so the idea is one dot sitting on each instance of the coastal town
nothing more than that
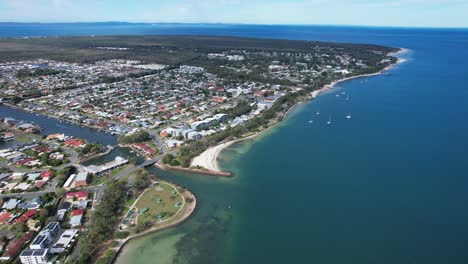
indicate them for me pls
(61, 194)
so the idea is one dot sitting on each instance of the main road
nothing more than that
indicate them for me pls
(98, 189)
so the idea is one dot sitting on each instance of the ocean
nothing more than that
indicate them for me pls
(388, 185)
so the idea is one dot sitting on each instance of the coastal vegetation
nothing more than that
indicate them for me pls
(103, 221)
(136, 137)
(158, 49)
(36, 73)
(91, 148)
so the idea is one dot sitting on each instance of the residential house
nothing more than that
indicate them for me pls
(11, 204)
(80, 195)
(35, 203)
(76, 217)
(14, 246)
(46, 175)
(6, 217)
(26, 216)
(62, 210)
(81, 179)
(64, 241)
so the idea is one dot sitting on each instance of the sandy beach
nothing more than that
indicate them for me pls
(209, 158)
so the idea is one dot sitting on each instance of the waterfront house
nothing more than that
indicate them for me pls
(74, 143)
(57, 136)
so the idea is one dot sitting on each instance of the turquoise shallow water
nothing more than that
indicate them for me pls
(387, 186)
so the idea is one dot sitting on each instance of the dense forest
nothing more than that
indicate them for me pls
(160, 49)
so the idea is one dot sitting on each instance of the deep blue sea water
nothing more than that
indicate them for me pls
(389, 185)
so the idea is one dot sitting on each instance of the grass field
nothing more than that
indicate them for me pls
(166, 207)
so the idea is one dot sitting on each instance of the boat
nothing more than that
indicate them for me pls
(329, 120)
(347, 97)
(348, 116)
(311, 121)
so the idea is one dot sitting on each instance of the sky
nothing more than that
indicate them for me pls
(407, 13)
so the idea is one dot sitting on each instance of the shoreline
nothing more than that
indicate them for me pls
(208, 159)
(192, 170)
(188, 212)
(210, 156)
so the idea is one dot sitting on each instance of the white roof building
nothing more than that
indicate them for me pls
(11, 204)
(64, 241)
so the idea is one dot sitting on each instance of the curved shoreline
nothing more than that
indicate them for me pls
(185, 216)
(209, 158)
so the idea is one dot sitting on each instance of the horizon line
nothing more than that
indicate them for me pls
(238, 23)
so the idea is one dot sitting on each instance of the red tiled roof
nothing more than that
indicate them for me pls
(39, 184)
(145, 148)
(260, 93)
(73, 142)
(46, 174)
(26, 216)
(24, 161)
(102, 123)
(4, 217)
(54, 135)
(77, 212)
(15, 245)
(79, 194)
(217, 99)
(41, 148)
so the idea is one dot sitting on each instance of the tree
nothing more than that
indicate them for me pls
(167, 158)
(139, 136)
(60, 192)
(122, 234)
(104, 220)
(19, 228)
(142, 226)
(133, 160)
(142, 182)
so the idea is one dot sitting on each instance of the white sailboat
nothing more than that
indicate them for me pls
(348, 116)
(329, 120)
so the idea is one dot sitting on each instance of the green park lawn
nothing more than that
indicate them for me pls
(166, 207)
